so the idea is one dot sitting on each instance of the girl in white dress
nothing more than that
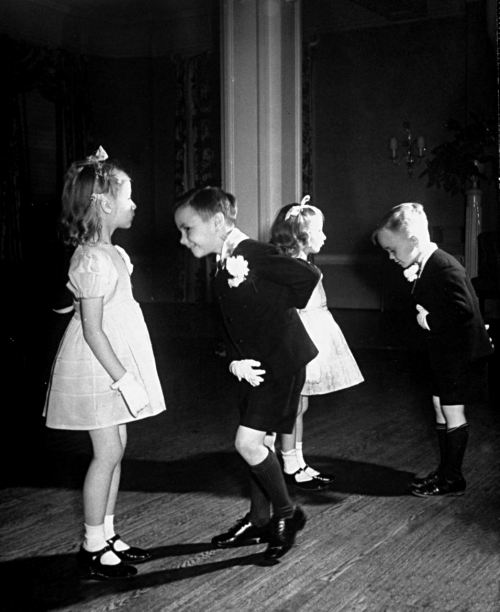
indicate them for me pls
(104, 374)
(298, 232)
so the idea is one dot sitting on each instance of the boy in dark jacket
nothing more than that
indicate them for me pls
(457, 340)
(258, 290)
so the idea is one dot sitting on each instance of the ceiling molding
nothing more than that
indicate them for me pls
(113, 28)
(396, 10)
(155, 28)
(321, 16)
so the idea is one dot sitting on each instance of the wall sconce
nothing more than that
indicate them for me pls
(412, 151)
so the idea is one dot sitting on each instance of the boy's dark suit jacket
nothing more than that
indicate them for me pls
(260, 317)
(457, 332)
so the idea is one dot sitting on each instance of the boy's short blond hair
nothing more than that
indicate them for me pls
(408, 217)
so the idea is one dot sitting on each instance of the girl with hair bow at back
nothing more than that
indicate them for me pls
(298, 231)
(104, 374)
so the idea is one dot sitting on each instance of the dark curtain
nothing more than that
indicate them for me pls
(12, 175)
(197, 147)
(308, 49)
(61, 78)
(33, 262)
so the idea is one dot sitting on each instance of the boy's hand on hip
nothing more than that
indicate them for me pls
(422, 317)
(244, 369)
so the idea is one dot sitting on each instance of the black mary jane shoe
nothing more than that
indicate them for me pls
(131, 554)
(441, 488)
(322, 477)
(314, 484)
(90, 562)
(282, 534)
(243, 533)
(430, 479)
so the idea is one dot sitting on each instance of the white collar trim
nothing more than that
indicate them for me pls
(232, 240)
(426, 254)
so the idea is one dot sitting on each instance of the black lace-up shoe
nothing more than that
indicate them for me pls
(442, 488)
(282, 534)
(431, 478)
(244, 533)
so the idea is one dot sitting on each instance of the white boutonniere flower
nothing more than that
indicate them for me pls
(411, 273)
(238, 269)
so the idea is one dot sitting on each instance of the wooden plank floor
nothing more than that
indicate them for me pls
(367, 546)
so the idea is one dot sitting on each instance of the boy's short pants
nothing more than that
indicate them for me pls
(271, 406)
(466, 383)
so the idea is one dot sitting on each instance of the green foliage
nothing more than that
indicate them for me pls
(465, 160)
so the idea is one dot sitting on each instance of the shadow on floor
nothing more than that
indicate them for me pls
(219, 473)
(40, 584)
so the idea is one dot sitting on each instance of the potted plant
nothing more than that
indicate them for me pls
(471, 156)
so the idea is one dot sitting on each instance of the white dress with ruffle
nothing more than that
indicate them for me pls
(334, 367)
(80, 395)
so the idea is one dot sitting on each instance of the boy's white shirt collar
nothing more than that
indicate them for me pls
(424, 256)
(232, 240)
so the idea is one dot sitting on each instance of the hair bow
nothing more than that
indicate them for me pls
(99, 156)
(296, 210)
(98, 199)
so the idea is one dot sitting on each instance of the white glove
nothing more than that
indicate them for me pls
(133, 393)
(487, 327)
(245, 369)
(422, 317)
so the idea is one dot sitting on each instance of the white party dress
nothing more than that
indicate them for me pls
(80, 395)
(334, 367)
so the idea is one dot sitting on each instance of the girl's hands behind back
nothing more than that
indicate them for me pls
(133, 393)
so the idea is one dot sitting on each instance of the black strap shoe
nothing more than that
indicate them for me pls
(244, 533)
(90, 562)
(282, 534)
(322, 477)
(130, 555)
(314, 484)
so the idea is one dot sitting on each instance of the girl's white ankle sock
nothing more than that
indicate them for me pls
(290, 462)
(291, 466)
(95, 540)
(109, 532)
(301, 461)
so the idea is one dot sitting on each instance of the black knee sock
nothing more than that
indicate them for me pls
(441, 435)
(270, 476)
(456, 443)
(260, 504)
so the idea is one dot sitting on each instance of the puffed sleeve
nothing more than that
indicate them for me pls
(126, 259)
(89, 273)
